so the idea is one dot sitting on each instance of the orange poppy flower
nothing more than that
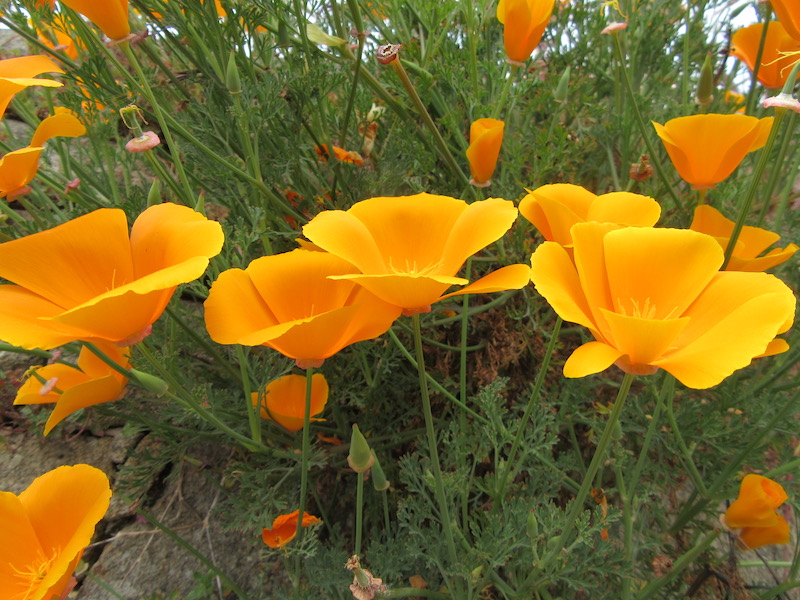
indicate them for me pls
(18, 73)
(705, 149)
(655, 298)
(284, 528)
(111, 16)
(291, 303)
(19, 167)
(788, 13)
(485, 138)
(284, 400)
(754, 512)
(56, 37)
(88, 279)
(410, 248)
(775, 66)
(523, 22)
(554, 209)
(342, 155)
(71, 389)
(44, 530)
(751, 243)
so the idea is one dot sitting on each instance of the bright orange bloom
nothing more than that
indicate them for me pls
(342, 155)
(655, 298)
(523, 22)
(751, 243)
(788, 13)
(554, 209)
(754, 512)
(284, 400)
(56, 37)
(71, 389)
(705, 149)
(18, 168)
(88, 279)
(485, 138)
(18, 73)
(44, 530)
(775, 66)
(284, 528)
(410, 248)
(290, 302)
(111, 16)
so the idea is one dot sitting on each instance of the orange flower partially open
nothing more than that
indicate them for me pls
(284, 528)
(19, 167)
(284, 400)
(410, 248)
(754, 512)
(775, 65)
(524, 22)
(88, 279)
(93, 382)
(44, 530)
(18, 73)
(554, 209)
(485, 139)
(788, 13)
(290, 302)
(655, 298)
(705, 149)
(751, 243)
(111, 16)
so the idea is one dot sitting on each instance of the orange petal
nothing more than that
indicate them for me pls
(24, 320)
(625, 208)
(285, 398)
(554, 209)
(591, 358)
(83, 395)
(405, 290)
(111, 16)
(234, 308)
(555, 278)
(641, 340)
(758, 498)
(485, 139)
(61, 124)
(788, 12)
(511, 277)
(19, 546)
(18, 168)
(343, 234)
(18, 73)
(67, 377)
(755, 537)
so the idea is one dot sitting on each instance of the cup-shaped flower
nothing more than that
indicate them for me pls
(44, 530)
(554, 209)
(88, 279)
(775, 63)
(284, 528)
(410, 248)
(751, 243)
(485, 138)
(523, 22)
(18, 73)
(655, 298)
(19, 167)
(754, 512)
(71, 389)
(705, 149)
(290, 303)
(111, 16)
(788, 13)
(284, 400)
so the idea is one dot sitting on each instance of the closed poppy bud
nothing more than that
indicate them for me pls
(532, 526)
(232, 79)
(284, 400)
(705, 89)
(154, 194)
(360, 458)
(523, 22)
(485, 139)
(560, 94)
(756, 504)
(379, 481)
(150, 382)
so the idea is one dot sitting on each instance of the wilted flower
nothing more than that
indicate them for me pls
(554, 209)
(615, 26)
(485, 138)
(410, 248)
(655, 298)
(782, 101)
(751, 243)
(89, 279)
(524, 22)
(290, 302)
(284, 400)
(775, 63)
(18, 73)
(706, 149)
(284, 528)
(147, 141)
(754, 512)
(93, 382)
(111, 16)
(45, 529)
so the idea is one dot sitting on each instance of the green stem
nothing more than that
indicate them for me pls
(694, 474)
(751, 94)
(253, 411)
(6, 347)
(655, 586)
(304, 460)
(627, 523)
(500, 104)
(667, 390)
(359, 512)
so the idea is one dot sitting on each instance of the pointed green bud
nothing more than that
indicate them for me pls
(560, 94)
(379, 481)
(232, 79)
(150, 382)
(705, 89)
(532, 526)
(200, 205)
(154, 195)
(360, 458)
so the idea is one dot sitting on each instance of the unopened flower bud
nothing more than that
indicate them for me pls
(154, 194)
(360, 458)
(232, 79)
(532, 526)
(705, 89)
(150, 382)
(560, 94)
(379, 481)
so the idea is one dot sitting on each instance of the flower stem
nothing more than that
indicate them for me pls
(253, 411)
(305, 453)
(694, 474)
(500, 104)
(652, 588)
(667, 390)
(359, 512)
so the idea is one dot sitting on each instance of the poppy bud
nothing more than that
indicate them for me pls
(560, 94)
(532, 526)
(150, 382)
(154, 195)
(705, 89)
(379, 481)
(232, 79)
(360, 458)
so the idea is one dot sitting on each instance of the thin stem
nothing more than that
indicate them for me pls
(652, 588)
(253, 411)
(667, 390)
(359, 512)
(694, 474)
(304, 460)
(500, 104)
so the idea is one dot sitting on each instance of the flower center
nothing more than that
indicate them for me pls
(411, 268)
(31, 576)
(639, 310)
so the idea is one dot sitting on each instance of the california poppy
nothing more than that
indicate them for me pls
(342, 155)
(705, 149)
(89, 279)
(44, 530)
(111, 16)
(284, 528)
(524, 22)
(410, 248)
(292, 303)
(18, 73)
(754, 512)
(775, 63)
(751, 243)
(554, 209)
(284, 400)
(485, 138)
(655, 298)
(788, 13)
(71, 389)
